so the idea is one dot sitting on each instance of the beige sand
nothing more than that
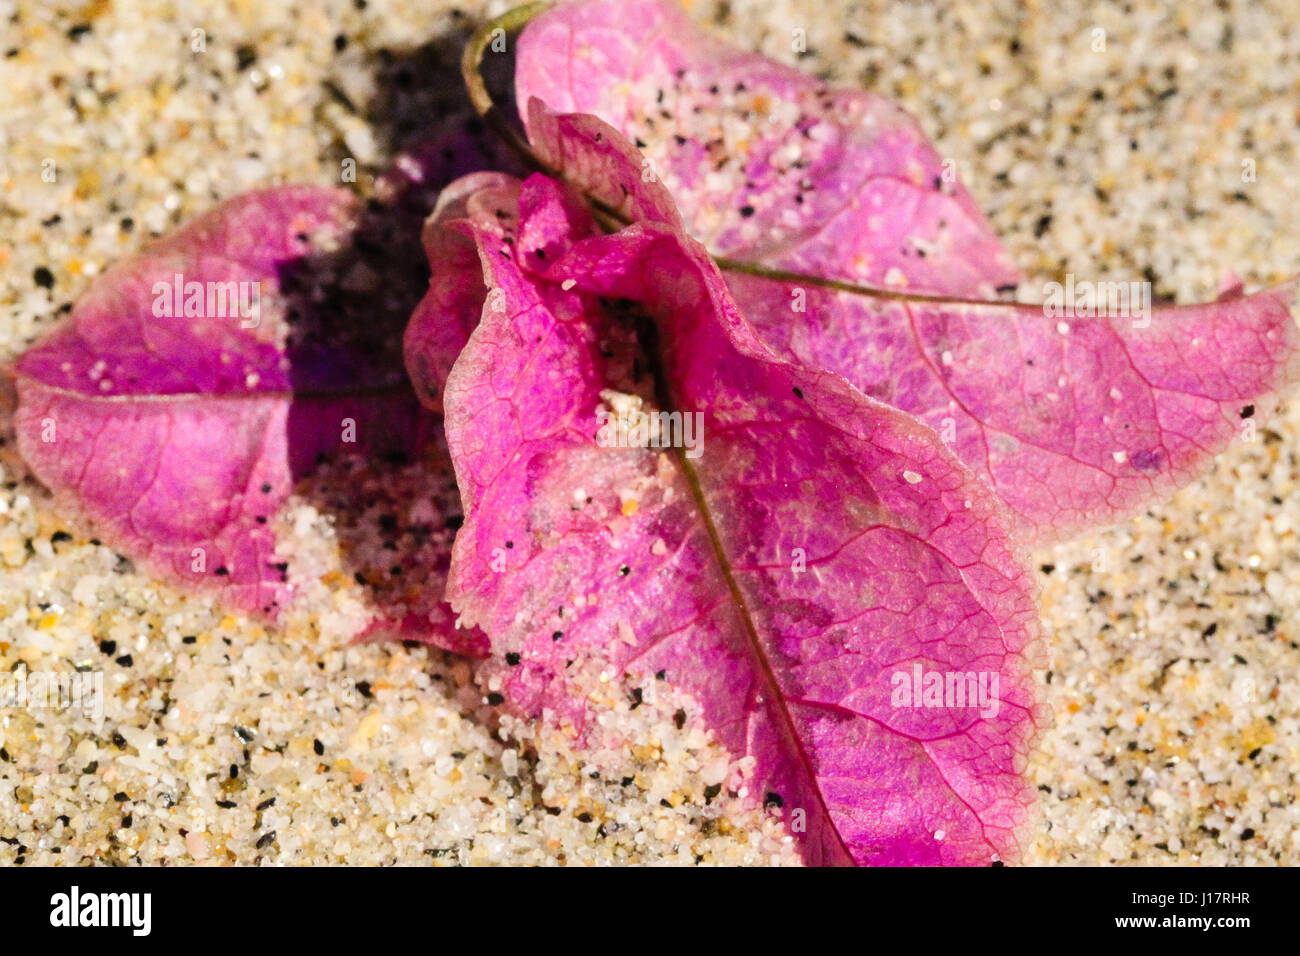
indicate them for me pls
(1173, 662)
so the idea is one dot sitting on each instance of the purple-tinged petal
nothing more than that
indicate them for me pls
(765, 162)
(196, 381)
(817, 547)
(1075, 420)
(442, 322)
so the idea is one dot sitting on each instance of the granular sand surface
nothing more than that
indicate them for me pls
(1170, 156)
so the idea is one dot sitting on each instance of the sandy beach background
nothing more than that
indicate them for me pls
(1173, 655)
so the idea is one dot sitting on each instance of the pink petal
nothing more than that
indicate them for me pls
(908, 561)
(180, 436)
(1076, 422)
(770, 162)
(770, 167)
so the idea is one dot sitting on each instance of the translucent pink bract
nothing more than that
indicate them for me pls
(197, 380)
(1076, 420)
(833, 545)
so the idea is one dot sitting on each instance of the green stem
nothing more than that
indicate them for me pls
(513, 20)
